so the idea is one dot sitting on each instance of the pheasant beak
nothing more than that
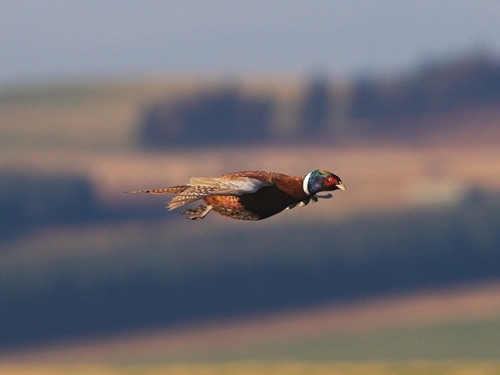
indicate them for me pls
(340, 186)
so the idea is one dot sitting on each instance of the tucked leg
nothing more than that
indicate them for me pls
(197, 213)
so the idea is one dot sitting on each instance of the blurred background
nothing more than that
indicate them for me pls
(401, 272)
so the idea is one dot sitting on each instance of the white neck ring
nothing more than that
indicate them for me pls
(305, 183)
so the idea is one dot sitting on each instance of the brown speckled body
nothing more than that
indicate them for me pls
(266, 202)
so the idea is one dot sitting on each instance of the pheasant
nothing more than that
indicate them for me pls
(250, 195)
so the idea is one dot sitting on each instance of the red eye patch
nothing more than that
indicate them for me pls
(329, 181)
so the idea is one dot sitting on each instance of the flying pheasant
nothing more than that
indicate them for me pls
(251, 195)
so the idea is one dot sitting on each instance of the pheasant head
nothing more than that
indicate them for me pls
(321, 180)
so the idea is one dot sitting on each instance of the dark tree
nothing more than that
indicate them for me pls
(217, 117)
(316, 109)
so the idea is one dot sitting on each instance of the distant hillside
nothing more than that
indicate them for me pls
(78, 282)
(92, 115)
(107, 115)
(325, 110)
(169, 113)
(454, 323)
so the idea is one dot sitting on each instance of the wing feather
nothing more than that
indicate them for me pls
(201, 187)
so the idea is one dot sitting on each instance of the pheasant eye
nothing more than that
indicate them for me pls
(329, 181)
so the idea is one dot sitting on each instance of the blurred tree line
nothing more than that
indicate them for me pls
(29, 201)
(435, 87)
(219, 116)
(227, 116)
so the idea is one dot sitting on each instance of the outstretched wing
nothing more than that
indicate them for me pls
(201, 187)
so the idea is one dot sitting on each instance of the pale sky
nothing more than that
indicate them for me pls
(41, 40)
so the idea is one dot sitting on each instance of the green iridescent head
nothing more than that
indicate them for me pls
(321, 180)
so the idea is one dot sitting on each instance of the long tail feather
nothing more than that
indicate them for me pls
(181, 200)
(198, 188)
(169, 190)
(191, 194)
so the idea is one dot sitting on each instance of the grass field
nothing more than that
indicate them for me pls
(460, 324)
(265, 368)
(472, 340)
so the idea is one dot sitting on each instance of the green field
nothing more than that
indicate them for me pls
(466, 340)
(258, 368)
